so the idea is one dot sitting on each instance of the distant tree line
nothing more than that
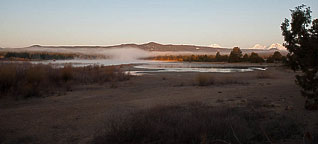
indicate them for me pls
(235, 56)
(40, 56)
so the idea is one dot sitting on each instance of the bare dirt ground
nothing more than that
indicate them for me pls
(76, 116)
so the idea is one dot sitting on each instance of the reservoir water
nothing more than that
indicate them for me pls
(149, 66)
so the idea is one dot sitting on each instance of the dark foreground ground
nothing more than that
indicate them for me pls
(155, 108)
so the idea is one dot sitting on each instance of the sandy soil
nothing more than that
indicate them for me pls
(76, 116)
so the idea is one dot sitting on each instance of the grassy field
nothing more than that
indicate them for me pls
(97, 104)
(23, 80)
(199, 123)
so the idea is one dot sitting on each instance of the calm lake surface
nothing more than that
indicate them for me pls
(149, 66)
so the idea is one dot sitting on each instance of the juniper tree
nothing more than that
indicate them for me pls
(235, 55)
(245, 57)
(255, 58)
(301, 40)
(277, 56)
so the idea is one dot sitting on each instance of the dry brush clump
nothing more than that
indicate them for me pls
(197, 123)
(23, 80)
(96, 74)
(227, 80)
(204, 80)
(263, 75)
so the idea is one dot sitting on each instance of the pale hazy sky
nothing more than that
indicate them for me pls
(107, 22)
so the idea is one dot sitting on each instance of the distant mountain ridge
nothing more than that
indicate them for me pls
(153, 46)
(274, 46)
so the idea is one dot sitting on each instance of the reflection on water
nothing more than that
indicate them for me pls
(86, 62)
(196, 67)
(147, 66)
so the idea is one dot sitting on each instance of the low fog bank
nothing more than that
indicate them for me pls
(124, 53)
(127, 53)
(184, 53)
(223, 52)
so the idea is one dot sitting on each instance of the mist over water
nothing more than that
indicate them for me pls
(130, 55)
(124, 53)
(113, 56)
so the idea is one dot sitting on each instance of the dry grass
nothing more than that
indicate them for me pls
(26, 80)
(263, 75)
(197, 123)
(204, 80)
(230, 80)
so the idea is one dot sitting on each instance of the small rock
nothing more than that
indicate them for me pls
(219, 101)
(271, 105)
(311, 105)
(288, 108)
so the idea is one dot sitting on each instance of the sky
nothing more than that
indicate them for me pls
(228, 23)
